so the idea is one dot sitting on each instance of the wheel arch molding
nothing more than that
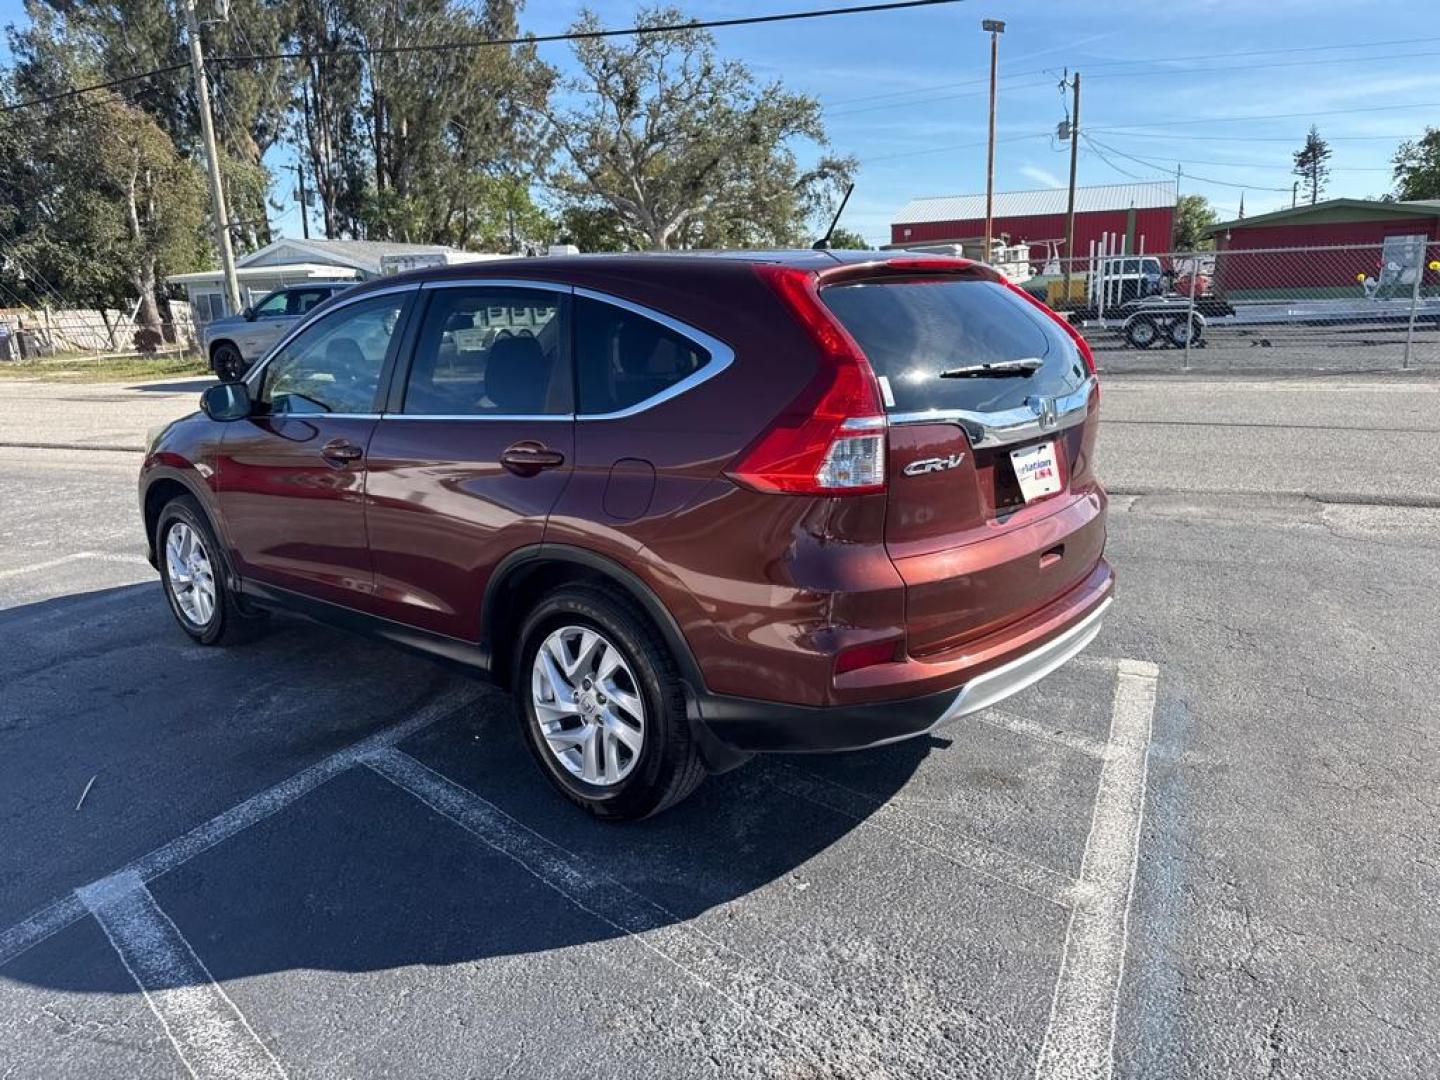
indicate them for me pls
(528, 571)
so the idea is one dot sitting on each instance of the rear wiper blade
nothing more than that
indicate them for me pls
(1027, 366)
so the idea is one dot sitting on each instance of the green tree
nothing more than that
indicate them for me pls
(1417, 167)
(1193, 215)
(252, 102)
(594, 228)
(97, 207)
(843, 239)
(687, 148)
(1310, 164)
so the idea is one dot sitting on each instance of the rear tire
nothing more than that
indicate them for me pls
(644, 756)
(227, 363)
(1177, 333)
(192, 572)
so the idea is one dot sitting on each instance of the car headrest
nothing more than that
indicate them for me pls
(343, 353)
(517, 375)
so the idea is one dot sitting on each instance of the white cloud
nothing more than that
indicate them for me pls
(1041, 176)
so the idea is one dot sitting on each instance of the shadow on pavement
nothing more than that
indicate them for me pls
(196, 383)
(358, 875)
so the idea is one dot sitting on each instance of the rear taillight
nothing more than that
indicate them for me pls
(831, 439)
(1081, 344)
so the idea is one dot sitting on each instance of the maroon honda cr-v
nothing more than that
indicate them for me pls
(688, 507)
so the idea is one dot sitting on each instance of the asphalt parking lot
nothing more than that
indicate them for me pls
(1206, 849)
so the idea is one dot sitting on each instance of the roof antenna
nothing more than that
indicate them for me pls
(823, 244)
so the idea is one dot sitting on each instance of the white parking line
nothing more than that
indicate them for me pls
(818, 1027)
(56, 916)
(1080, 1038)
(78, 556)
(1034, 729)
(210, 1034)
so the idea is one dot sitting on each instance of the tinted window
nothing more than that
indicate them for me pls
(490, 351)
(302, 300)
(271, 307)
(334, 366)
(623, 358)
(913, 330)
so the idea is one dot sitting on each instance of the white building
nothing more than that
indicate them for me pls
(294, 262)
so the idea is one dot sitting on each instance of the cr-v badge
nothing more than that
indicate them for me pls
(932, 464)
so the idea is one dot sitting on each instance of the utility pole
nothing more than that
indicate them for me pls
(1070, 202)
(995, 28)
(212, 159)
(1294, 194)
(299, 168)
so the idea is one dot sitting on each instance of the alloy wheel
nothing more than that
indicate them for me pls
(588, 705)
(189, 574)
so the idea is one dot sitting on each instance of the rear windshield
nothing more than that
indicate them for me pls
(912, 329)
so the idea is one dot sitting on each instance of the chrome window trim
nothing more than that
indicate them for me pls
(252, 380)
(1031, 421)
(721, 356)
(322, 415)
(566, 416)
(506, 283)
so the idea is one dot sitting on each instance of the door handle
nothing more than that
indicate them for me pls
(528, 458)
(341, 452)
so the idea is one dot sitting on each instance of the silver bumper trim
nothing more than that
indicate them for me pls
(995, 686)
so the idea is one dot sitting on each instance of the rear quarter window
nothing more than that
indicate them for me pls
(912, 329)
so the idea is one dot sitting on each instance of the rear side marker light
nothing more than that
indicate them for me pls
(831, 439)
(863, 656)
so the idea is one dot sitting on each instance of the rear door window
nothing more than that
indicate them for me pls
(624, 358)
(914, 329)
(490, 351)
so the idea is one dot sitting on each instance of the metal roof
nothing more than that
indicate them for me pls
(1038, 203)
(1324, 212)
(361, 254)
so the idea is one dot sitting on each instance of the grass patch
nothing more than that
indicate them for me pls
(86, 369)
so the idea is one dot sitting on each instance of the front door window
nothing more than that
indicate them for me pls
(335, 365)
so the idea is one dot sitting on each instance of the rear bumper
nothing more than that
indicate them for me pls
(751, 725)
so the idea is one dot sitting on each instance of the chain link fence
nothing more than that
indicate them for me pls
(1341, 308)
(40, 333)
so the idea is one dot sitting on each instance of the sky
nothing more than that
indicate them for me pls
(1223, 89)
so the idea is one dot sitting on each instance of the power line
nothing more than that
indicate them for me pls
(1099, 146)
(926, 101)
(590, 35)
(1267, 66)
(533, 39)
(1166, 137)
(1262, 165)
(1125, 128)
(96, 86)
(1095, 149)
(953, 146)
(1089, 66)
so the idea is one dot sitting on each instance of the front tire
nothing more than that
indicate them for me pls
(192, 572)
(602, 705)
(1142, 333)
(227, 363)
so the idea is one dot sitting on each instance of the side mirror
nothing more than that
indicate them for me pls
(248, 314)
(228, 401)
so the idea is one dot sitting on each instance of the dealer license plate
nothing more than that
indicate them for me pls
(1037, 470)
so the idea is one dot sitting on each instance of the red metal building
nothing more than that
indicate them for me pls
(1142, 213)
(1262, 258)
